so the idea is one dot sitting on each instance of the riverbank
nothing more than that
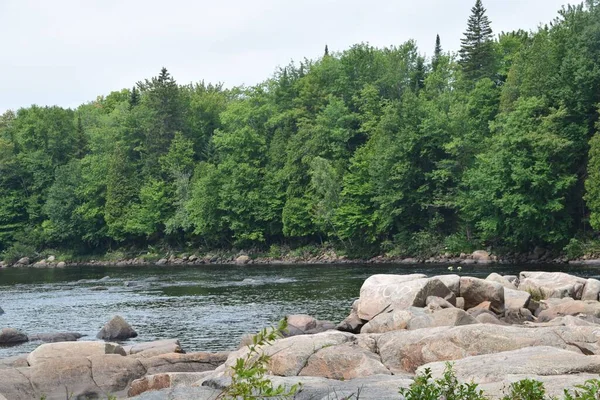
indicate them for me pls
(320, 256)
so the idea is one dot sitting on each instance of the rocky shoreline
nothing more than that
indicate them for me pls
(480, 257)
(537, 325)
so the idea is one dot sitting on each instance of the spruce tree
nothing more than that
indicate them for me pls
(134, 99)
(477, 47)
(326, 51)
(437, 53)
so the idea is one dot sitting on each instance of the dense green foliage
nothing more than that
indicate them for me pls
(371, 150)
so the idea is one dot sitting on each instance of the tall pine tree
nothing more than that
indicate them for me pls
(477, 47)
(437, 53)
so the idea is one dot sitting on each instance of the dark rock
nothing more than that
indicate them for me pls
(98, 288)
(1, 311)
(12, 336)
(56, 337)
(117, 329)
(518, 316)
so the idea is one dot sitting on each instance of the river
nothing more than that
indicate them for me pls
(208, 308)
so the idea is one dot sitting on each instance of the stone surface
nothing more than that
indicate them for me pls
(494, 277)
(189, 362)
(156, 348)
(302, 321)
(536, 361)
(591, 290)
(117, 329)
(113, 373)
(452, 281)
(14, 362)
(346, 361)
(487, 318)
(552, 284)
(437, 303)
(405, 351)
(481, 255)
(1, 311)
(517, 316)
(61, 264)
(391, 321)
(352, 323)
(164, 381)
(460, 303)
(570, 307)
(53, 351)
(15, 384)
(380, 293)
(243, 259)
(12, 336)
(516, 298)
(445, 317)
(56, 337)
(475, 291)
(23, 261)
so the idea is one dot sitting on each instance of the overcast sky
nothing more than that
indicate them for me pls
(67, 52)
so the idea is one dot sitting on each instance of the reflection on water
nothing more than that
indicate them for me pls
(205, 307)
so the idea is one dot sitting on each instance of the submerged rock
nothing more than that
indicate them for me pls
(56, 337)
(12, 336)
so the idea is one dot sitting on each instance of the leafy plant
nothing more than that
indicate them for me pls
(248, 379)
(526, 389)
(447, 387)
(590, 390)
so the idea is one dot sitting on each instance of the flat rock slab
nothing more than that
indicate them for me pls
(56, 337)
(405, 351)
(54, 351)
(532, 361)
(552, 284)
(189, 362)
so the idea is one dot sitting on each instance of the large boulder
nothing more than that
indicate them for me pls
(494, 277)
(10, 336)
(516, 298)
(591, 290)
(495, 370)
(164, 381)
(54, 351)
(346, 361)
(381, 293)
(302, 322)
(570, 307)
(405, 351)
(15, 384)
(476, 291)
(552, 284)
(352, 323)
(56, 337)
(117, 329)
(452, 281)
(113, 373)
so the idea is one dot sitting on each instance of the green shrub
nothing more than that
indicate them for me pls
(248, 379)
(17, 251)
(526, 389)
(590, 390)
(574, 249)
(448, 387)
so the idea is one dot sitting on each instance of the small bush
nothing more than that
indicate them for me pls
(574, 249)
(17, 251)
(248, 374)
(526, 389)
(448, 387)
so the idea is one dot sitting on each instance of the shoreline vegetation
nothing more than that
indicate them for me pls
(371, 150)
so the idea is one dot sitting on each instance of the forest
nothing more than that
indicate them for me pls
(368, 151)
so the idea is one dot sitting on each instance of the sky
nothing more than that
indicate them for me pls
(67, 52)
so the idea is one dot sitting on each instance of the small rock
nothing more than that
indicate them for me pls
(51, 258)
(460, 303)
(518, 316)
(1, 311)
(23, 261)
(117, 329)
(481, 255)
(591, 290)
(162, 261)
(302, 321)
(243, 259)
(437, 303)
(98, 288)
(56, 337)
(12, 336)
(61, 264)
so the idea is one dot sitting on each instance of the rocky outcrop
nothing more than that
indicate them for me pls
(117, 329)
(591, 290)
(9, 336)
(495, 372)
(405, 351)
(382, 293)
(164, 381)
(552, 284)
(570, 307)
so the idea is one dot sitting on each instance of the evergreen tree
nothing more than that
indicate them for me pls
(134, 99)
(326, 51)
(437, 53)
(477, 47)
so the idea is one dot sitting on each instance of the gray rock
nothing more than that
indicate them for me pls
(437, 303)
(518, 316)
(302, 321)
(591, 290)
(56, 337)
(516, 298)
(1, 311)
(180, 393)
(12, 336)
(552, 284)
(487, 318)
(243, 259)
(475, 291)
(570, 307)
(451, 281)
(405, 351)
(381, 293)
(165, 381)
(352, 323)
(50, 352)
(494, 277)
(23, 261)
(61, 264)
(445, 317)
(116, 329)
(499, 367)
(189, 362)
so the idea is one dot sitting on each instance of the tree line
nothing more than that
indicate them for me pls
(370, 149)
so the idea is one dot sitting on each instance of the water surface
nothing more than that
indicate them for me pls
(205, 307)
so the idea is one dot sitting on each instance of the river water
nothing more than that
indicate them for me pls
(208, 308)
